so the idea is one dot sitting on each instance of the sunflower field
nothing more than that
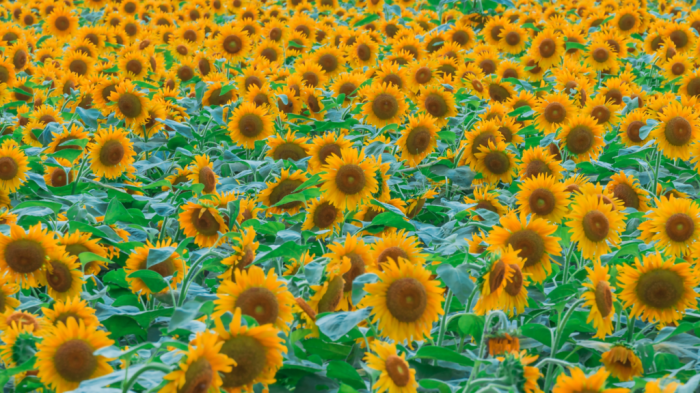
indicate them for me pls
(379, 196)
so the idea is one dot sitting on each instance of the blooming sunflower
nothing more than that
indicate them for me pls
(395, 245)
(579, 382)
(438, 103)
(494, 279)
(276, 191)
(405, 301)
(24, 254)
(544, 197)
(484, 198)
(200, 368)
(322, 147)
(262, 297)
(328, 296)
(630, 126)
(64, 277)
(627, 189)
(354, 249)
(676, 131)
(66, 356)
(496, 163)
(69, 308)
(76, 243)
(622, 362)
(130, 104)
(256, 352)
(547, 49)
(172, 266)
(600, 298)
(249, 123)
(539, 160)
(13, 166)
(583, 137)
(112, 153)
(203, 222)
(61, 22)
(325, 216)
(601, 56)
(244, 252)
(553, 111)
(385, 104)
(418, 139)
(658, 290)
(287, 147)
(603, 110)
(532, 239)
(674, 224)
(595, 225)
(349, 180)
(395, 374)
(202, 172)
(232, 42)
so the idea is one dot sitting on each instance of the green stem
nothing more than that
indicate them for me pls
(567, 258)
(630, 328)
(656, 172)
(443, 323)
(482, 346)
(557, 337)
(80, 173)
(151, 366)
(189, 276)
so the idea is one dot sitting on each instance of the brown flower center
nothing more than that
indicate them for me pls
(334, 294)
(693, 87)
(678, 69)
(385, 106)
(25, 256)
(418, 140)
(62, 23)
(600, 55)
(601, 113)
(482, 140)
(233, 44)
(326, 151)
(74, 360)
(512, 38)
(185, 73)
(679, 38)
(680, 227)
(250, 357)
(660, 288)
(406, 299)
(364, 52)
(205, 222)
(580, 139)
(357, 268)
(542, 201)
(595, 226)
(488, 66)
(497, 162)
(627, 195)
(250, 125)
(423, 75)
(112, 153)
(436, 106)
(498, 93)
(8, 168)
(61, 279)
(21, 58)
(678, 131)
(603, 298)
(398, 370)
(198, 377)
(547, 48)
(633, 131)
(497, 275)
(208, 178)
(289, 151)
(529, 244)
(626, 22)
(281, 190)
(555, 112)
(515, 285)
(259, 303)
(350, 179)
(130, 105)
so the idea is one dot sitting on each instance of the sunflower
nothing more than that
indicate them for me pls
(493, 30)
(386, 104)
(553, 111)
(75, 133)
(418, 139)
(395, 374)
(278, 190)
(354, 249)
(203, 222)
(322, 214)
(622, 362)
(262, 297)
(64, 310)
(496, 163)
(601, 56)
(405, 301)
(539, 161)
(513, 39)
(249, 124)
(172, 266)
(349, 180)
(629, 191)
(64, 277)
(595, 225)
(547, 49)
(578, 382)
(327, 297)
(61, 22)
(322, 147)
(532, 240)
(256, 352)
(66, 356)
(600, 298)
(658, 290)
(630, 126)
(496, 275)
(673, 224)
(583, 137)
(24, 254)
(199, 370)
(77, 242)
(202, 172)
(676, 131)
(111, 153)
(681, 35)
(14, 166)
(603, 110)
(130, 104)
(7, 289)
(483, 198)
(244, 252)
(364, 51)
(347, 84)
(420, 74)
(502, 343)
(438, 103)
(482, 132)
(499, 90)
(690, 84)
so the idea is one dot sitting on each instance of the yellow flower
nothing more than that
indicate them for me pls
(349, 180)
(673, 224)
(622, 362)
(395, 374)
(112, 153)
(595, 225)
(600, 298)
(173, 266)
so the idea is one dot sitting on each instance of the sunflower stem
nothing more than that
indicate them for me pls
(443, 323)
(567, 259)
(151, 366)
(77, 178)
(477, 365)
(189, 276)
(656, 172)
(630, 328)
(555, 343)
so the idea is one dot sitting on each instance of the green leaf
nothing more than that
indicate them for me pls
(575, 45)
(153, 280)
(434, 384)
(56, 207)
(336, 325)
(367, 19)
(444, 354)
(345, 373)
(116, 212)
(538, 332)
(472, 325)
(87, 257)
(448, 137)
(158, 255)
(316, 346)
